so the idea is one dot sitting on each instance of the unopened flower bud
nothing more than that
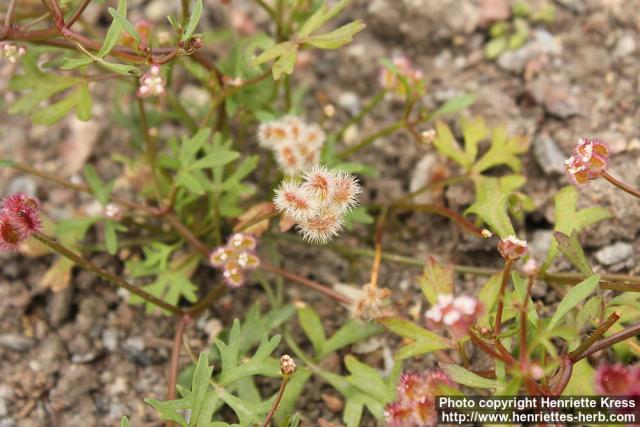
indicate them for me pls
(486, 233)
(329, 110)
(287, 366)
(11, 52)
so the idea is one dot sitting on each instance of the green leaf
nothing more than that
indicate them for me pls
(321, 17)
(588, 313)
(358, 215)
(285, 63)
(368, 380)
(172, 285)
(6, 163)
(351, 332)
(219, 158)
(436, 280)
(425, 341)
(473, 131)
(491, 205)
(464, 377)
(571, 248)
(495, 47)
(194, 19)
(579, 292)
(274, 52)
(569, 219)
(418, 348)
(100, 190)
(126, 25)
(124, 422)
(455, 104)
(521, 291)
(503, 151)
(312, 326)
(446, 145)
(190, 147)
(336, 38)
(79, 99)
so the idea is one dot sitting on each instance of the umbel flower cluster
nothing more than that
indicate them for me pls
(19, 220)
(318, 203)
(151, 83)
(296, 145)
(11, 52)
(235, 258)
(456, 315)
(415, 403)
(589, 160)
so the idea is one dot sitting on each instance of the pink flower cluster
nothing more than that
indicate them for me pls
(318, 204)
(295, 144)
(11, 52)
(512, 248)
(456, 315)
(19, 220)
(234, 258)
(151, 83)
(389, 80)
(589, 160)
(618, 379)
(415, 403)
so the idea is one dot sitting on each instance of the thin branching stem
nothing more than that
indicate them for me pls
(175, 359)
(276, 402)
(104, 274)
(621, 185)
(506, 272)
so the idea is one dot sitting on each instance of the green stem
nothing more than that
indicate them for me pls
(577, 354)
(358, 117)
(151, 150)
(386, 131)
(112, 278)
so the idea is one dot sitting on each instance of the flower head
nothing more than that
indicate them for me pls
(618, 379)
(295, 144)
(415, 403)
(10, 236)
(512, 248)
(11, 52)
(371, 304)
(234, 258)
(318, 204)
(151, 83)
(589, 160)
(287, 366)
(454, 314)
(23, 211)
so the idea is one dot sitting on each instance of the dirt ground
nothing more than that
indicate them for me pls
(84, 357)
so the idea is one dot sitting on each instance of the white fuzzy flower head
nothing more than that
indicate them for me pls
(296, 145)
(291, 199)
(318, 204)
(151, 83)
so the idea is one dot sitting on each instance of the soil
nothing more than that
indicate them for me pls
(84, 357)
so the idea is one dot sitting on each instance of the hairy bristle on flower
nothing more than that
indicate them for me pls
(322, 226)
(294, 201)
(24, 213)
(10, 236)
(344, 191)
(319, 181)
(512, 248)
